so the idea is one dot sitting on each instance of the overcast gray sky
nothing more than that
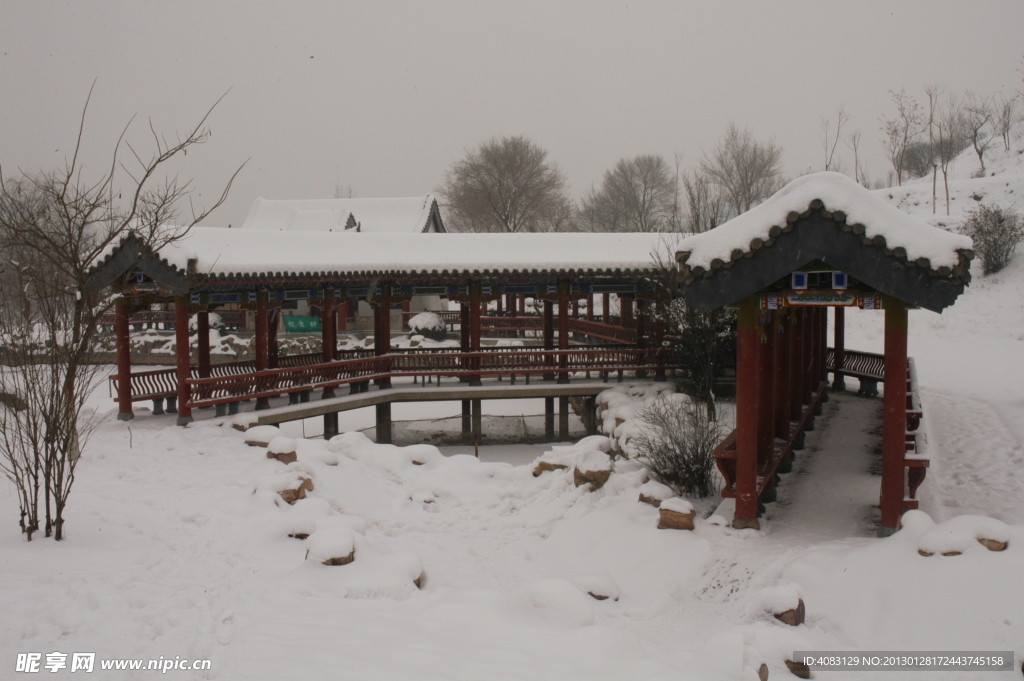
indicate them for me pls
(383, 96)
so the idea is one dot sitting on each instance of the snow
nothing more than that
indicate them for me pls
(220, 251)
(405, 215)
(334, 542)
(962, 534)
(281, 445)
(677, 505)
(426, 320)
(839, 193)
(657, 491)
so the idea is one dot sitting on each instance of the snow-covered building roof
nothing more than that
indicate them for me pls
(827, 217)
(405, 215)
(215, 254)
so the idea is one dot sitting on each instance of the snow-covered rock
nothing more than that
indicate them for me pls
(334, 546)
(558, 602)
(283, 449)
(676, 514)
(260, 436)
(599, 585)
(653, 492)
(964, 533)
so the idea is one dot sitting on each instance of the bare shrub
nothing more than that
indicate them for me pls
(996, 231)
(676, 442)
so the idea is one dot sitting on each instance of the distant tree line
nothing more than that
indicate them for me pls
(508, 184)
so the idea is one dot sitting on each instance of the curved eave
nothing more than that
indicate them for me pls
(818, 235)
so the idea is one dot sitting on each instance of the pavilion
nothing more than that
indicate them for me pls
(822, 241)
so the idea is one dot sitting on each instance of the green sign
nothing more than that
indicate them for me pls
(293, 324)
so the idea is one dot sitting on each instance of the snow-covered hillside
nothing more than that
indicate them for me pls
(178, 540)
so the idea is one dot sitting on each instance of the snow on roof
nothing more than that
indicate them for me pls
(220, 252)
(839, 193)
(408, 215)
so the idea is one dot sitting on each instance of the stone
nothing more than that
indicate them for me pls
(545, 466)
(292, 495)
(283, 457)
(283, 449)
(794, 617)
(341, 560)
(261, 436)
(992, 544)
(799, 669)
(653, 493)
(674, 520)
(762, 672)
(595, 478)
(299, 535)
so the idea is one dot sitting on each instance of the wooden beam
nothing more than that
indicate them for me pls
(894, 419)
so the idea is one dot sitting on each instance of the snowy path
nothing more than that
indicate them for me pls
(829, 494)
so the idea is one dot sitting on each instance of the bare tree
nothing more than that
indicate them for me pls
(1007, 116)
(637, 195)
(506, 184)
(977, 113)
(53, 226)
(952, 138)
(900, 131)
(746, 171)
(853, 143)
(705, 207)
(933, 91)
(829, 138)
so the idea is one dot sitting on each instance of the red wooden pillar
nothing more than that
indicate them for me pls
(765, 389)
(796, 358)
(382, 343)
(500, 307)
(341, 314)
(475, 305)
(405, 314)
(839, 343)
(184, 362)
(606, 308)
(806, 351)
(262, 342)
(203, 341)
(575, 308)
(124, 362)
(522, 313)
(783, 400)
(327, 338)
(464, 327)
(746, 415)
(563, 331)
(590, 307)
(823, 348)
(815, 330)
(894, 420)
(273, 321)
(549, 335)
(626, 311)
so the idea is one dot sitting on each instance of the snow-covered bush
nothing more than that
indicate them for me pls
(216, 322)
(996, 231)
(676, 442)
(429, 325)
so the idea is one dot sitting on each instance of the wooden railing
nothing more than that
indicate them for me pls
(231, 388)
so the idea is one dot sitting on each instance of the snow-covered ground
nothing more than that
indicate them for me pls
(178, 542)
